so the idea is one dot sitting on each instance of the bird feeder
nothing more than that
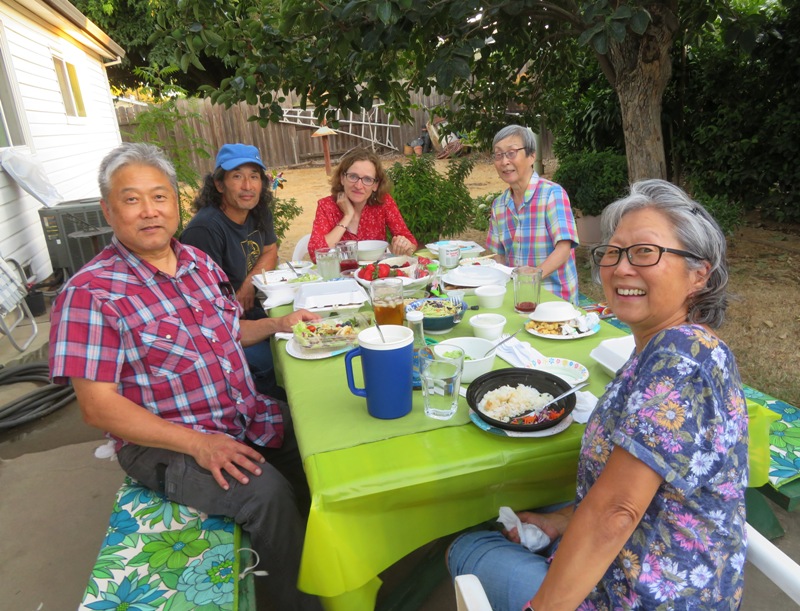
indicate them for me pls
(323, 132)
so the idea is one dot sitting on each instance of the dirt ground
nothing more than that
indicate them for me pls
(763, 323)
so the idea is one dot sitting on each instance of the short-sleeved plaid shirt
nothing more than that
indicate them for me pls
(528, 236)
(170, 343)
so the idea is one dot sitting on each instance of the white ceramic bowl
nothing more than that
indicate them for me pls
(370, 250)
(475, 348)
(488, 326)
(554, 311)
(490, 296)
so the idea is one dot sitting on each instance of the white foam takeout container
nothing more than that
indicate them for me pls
(612, 354)
(345, 295)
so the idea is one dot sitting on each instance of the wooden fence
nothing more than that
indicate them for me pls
(281, 145)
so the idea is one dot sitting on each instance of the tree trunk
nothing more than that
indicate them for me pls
(642, 69)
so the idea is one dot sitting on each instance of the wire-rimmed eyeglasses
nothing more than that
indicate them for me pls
(367, 181)
(510, 155)
(639, 255)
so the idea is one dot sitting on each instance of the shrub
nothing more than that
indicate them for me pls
(433, 205)
(482, 209)
(593, 180)
(284, 211)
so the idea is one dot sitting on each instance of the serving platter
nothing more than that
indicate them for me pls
(554, 430)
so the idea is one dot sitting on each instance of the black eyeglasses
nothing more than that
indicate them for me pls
(367, 181)
(508, 154)
(639, 255)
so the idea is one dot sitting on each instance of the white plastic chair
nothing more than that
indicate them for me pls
(12, 303)
(301, 248)
(470, 595)
(777, 566)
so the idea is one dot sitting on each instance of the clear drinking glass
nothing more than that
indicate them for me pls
(440, 372)
(527, 286)
(327, 263)
(387, 300)
(348, 255)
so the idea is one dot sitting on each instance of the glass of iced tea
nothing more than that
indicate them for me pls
(527, 285)
(387, 300)
(348, 255)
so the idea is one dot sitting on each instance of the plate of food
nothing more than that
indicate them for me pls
(514, 399)
(566, 369)
(440, 315)
(575, 328)
(297, 351)
(412, 271)
(332, 333)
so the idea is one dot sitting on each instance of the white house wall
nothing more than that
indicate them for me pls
(69, 148)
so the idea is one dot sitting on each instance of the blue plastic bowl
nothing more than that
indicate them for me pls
(435, 324)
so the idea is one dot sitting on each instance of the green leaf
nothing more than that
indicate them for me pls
(639, 21)
(623, 12)
(184, 63)
(617, 31)
(600, 43)
(195, 27)
(384, 11)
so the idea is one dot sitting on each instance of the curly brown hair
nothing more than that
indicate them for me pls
(351, 157)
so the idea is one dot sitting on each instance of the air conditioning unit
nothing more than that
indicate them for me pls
(75, 231)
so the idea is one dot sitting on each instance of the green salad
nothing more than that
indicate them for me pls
(437, 308)
(304, 278)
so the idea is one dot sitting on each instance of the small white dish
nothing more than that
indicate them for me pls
(554, 311)
(475, 348)
(490, 296)
(488, 326)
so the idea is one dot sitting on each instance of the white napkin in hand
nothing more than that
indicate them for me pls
(584, 406)
(530, 536)
(518, 354)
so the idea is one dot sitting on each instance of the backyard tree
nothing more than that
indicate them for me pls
(344, 53)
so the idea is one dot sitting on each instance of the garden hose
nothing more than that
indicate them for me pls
(37, 403)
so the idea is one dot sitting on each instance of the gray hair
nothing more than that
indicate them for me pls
(523, 133)
(134, 153)
(696, 230)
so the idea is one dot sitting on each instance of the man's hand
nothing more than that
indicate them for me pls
(219, 453)
(401, 245)
(287, 322)
(246, 295)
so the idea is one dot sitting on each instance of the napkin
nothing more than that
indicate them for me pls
(278, 299)
(584, 406)
(518, 354)
(530, 536)
(282, 335)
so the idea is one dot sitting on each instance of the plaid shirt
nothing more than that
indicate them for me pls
(528, 236)
(170, 343)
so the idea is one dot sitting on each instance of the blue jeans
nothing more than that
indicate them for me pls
(262, 368)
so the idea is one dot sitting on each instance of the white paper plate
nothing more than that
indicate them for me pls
(485, 426)
(554, 311)
(478, 275)
(568, 370)
(297, 351)
(465, 247)
(578, 336)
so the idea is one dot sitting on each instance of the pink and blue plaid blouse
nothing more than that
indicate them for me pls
(528, 236)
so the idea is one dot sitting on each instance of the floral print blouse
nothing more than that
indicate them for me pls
(678, 406)
(373, 225)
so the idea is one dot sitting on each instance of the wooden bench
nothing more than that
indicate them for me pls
(169, 556)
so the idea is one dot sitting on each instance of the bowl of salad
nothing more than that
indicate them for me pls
(279, 282)
(439, 315)
(331, 333)
(476, 361)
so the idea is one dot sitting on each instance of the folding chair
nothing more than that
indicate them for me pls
(301, 248)
(12, 303)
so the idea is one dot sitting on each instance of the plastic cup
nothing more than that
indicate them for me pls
(440, 373)
(327, 263)
(527, 287)
(387, 300)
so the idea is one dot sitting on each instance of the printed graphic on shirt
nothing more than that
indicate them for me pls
(252, 250)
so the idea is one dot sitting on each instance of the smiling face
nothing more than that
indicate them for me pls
(142, 209)
(516, 172)
(650, 299)
(356, 192)
(241, 190)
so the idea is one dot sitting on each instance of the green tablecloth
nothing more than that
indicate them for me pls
(381, 489)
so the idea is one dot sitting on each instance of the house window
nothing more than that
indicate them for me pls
(10, 126)
(70, 88)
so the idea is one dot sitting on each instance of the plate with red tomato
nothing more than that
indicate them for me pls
(412, 271)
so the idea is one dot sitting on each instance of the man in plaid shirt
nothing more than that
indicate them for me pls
(149, 334)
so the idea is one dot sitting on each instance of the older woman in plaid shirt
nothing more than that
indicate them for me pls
(531, 222)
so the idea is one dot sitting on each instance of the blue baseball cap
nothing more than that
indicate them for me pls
(232, 156)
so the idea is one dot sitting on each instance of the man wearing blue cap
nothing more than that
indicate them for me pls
(233, 224)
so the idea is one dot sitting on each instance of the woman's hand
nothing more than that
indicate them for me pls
(346, 206)
(401, 245)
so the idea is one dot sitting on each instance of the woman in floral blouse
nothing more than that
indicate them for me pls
(659, 516)
(360, 207)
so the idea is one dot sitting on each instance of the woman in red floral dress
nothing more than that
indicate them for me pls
(360, 207)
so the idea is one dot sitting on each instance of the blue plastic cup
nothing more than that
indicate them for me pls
(386, 367)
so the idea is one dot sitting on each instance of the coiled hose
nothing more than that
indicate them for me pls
(37, 403)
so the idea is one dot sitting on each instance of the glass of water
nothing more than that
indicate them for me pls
(440, 373)
(327, 263)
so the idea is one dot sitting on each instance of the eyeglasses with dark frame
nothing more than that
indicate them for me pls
(510, 155)
(367, 181)
(639, 255)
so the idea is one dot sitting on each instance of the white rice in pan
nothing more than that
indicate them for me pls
(506, 402)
